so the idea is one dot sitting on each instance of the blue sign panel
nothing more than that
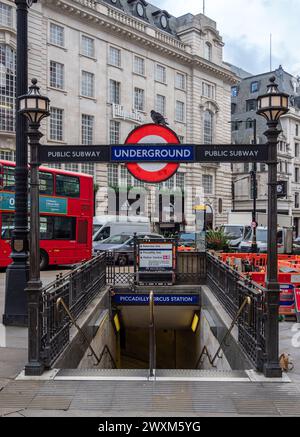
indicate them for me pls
(152, 153)
(48, 205)
(161, 299)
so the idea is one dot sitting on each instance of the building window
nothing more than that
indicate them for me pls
(7, 155)
(56, 124)
(233, 108)
(125, 177)
(160, 104)
(208, 51)
(251, 105)
(207, 184)
(180, 81)
(114, 56)
(297, 174)
(297, 150)
(180, 111)
(139, 65)
(246, 167)
(263, 167)
(56, 75)
(7, 88)
(88, 168)
(139, 99)
(297, 204)
(112, 175)
(208, 127)
(297, 130)
(234, 91)
(114, 92)
(5, 15)
(160, 75)
(57, 36)
(208, 90)
(87, 84)
(71, 167)
(254, 87)
(87, 129)
(181, 139)
(87, 46)
(180, 180)
(249, 123)
(114, 132)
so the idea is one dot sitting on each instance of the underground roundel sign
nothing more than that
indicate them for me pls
(152, 134)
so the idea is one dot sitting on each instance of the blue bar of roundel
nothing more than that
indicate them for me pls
(148, 153)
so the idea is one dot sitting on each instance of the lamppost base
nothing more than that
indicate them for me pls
(34, 369)
(272, 370)
(15, 312)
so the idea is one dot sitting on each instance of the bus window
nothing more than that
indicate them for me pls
(67, 186)
(64, 228)
(46, 228)
(7, 226)
(8, 178)
(1, 177)
(46, 183)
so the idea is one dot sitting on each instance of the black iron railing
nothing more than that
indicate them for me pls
(231, 289)
(77, 289)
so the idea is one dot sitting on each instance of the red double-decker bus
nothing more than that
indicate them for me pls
(66, 215)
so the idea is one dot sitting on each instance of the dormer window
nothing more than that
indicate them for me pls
(162, 19)
(138, 7)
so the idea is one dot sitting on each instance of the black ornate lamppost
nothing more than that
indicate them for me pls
(34, 107)
(272, 106)
(15, 311)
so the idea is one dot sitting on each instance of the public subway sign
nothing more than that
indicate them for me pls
(154, 153)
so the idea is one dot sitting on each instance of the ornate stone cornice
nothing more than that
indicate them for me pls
(140, 32)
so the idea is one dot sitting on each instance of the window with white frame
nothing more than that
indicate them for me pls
(160, 74)
(180, 81)
(180, 111)
(114, 92)
(57, 35)
(170, 183)
(7, 155)
(139, 99)
(88, 168)
(56, 124)
(5, 15)
(56, 75)
(125, 177)
(180, 180)
(139, 65)
(71, 167)
(112, 175)
(87, 129)
(208, 90)
(208, 127)
(208, 51)
(114, 56)
(87, 84)
(7, 88)
(160, 104)
(207, 183)
(114, 132)
(87, 46)
(181, 139)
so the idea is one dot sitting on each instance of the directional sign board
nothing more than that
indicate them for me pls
(147, 170)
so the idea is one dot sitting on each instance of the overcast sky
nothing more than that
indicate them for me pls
(246, 25)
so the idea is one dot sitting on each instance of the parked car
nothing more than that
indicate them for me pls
(122, 245)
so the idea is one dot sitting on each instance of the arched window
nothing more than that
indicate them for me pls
(208, 51)
(249, 123)
(208, 127)
(7, 88)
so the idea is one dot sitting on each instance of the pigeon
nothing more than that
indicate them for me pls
(158, 118)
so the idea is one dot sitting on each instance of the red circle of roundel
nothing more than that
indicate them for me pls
(143, 171)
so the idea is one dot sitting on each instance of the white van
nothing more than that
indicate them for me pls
(107, 225)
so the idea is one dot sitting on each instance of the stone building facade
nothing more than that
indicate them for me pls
(244, 108)
(105, 65)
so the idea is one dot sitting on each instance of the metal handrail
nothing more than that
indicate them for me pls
(152, 340)
(247, 301)
(61, 302)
